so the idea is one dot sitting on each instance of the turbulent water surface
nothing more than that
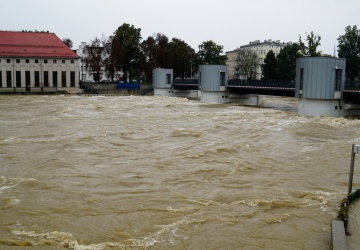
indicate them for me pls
(169, 173)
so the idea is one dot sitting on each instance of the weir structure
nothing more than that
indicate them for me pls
(165, 85)
(319, 84)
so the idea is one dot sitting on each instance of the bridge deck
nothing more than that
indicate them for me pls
(266, 87)
(262, 90)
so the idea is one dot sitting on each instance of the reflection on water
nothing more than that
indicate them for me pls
(169, 173)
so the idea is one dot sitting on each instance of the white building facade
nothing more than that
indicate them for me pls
(259, 48)
(36, 62)
(86, 75)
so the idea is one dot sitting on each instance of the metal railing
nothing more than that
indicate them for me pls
(262, 83)
(186, 81)
(352, 85)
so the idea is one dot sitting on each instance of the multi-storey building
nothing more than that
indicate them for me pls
(37, 62)
(259, 48)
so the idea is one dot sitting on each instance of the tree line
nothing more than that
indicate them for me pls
(126, 50)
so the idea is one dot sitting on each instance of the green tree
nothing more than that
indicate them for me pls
(94, 57)
(210, 53)
(269, 68)
(156, 52)
(109, 59)
(126, 49)
(148, 48)
(246, 64)
(286, 61)
(162, 51)
(68, 42)
(181, 55)
(313, 42)
(349, 48)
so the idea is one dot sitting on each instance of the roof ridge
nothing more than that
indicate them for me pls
(32, 46)
(25, 31)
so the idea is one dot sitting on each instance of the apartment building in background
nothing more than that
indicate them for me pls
(259, 48)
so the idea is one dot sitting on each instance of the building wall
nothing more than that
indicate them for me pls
(213, 78)
(316, 77)
(162, 78)
(29, 68)
(260, 49)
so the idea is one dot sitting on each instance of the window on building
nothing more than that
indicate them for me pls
(18, 79)
(72, 78)
(8, 60)
(17, 60)
(72, 61)
(168, 78)
(55, 79)
(0, 79)
(63, 61)
(46, 79)
(301, 85)
(36, 60)
(27, 78)
(45, 61)
(8, 79)
(27, 60)
(37, 78)
(222, 78)
(338, 73)
(63, 78)
(54, 61)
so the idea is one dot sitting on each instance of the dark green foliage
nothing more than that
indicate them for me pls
(126, 49)
(160, 53)
(269, 68)
(349, 48)
(313, 42)
(68, 42)
(286, 62)
(181, 55)
(210, 53)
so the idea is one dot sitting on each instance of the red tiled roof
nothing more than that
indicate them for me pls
(33, 44)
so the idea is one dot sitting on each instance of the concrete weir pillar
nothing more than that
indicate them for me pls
(162, 82)
(319, 86)
(212, 82)
(250, 99)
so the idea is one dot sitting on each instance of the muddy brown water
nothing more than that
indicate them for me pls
(169, 173)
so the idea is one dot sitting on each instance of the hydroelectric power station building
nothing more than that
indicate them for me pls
(37, 62)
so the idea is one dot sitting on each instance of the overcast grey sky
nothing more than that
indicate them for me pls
(230, 23)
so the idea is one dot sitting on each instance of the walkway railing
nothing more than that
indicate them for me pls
(262, 83)
(352, 85)
(186, 81)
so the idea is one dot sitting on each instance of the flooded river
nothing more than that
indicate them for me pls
(169, 173)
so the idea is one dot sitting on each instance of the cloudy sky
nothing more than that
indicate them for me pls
(230, 23)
